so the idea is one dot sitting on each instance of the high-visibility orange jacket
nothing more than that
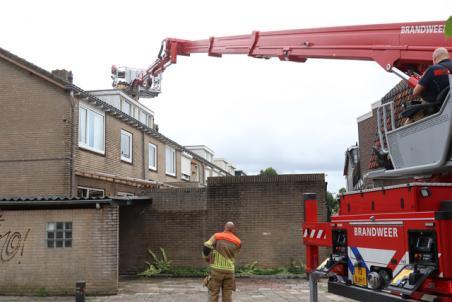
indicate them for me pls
(224, 246)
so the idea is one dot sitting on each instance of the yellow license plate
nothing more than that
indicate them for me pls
(360, 276)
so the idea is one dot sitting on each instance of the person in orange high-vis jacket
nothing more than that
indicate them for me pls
(220, 251)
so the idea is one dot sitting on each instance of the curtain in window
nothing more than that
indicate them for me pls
(125, 145)
(152, 156)
(170, 160)
(98, 131)
(82, 125)
(91, 129)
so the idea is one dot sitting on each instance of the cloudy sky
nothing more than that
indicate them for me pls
(294, 117)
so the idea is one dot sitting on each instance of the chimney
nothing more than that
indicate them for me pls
(63, 74)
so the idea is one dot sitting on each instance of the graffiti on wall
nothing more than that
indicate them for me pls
(12, 243)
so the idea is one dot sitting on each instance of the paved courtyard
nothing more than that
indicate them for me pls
(191, 290)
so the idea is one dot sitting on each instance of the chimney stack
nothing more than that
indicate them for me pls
(63, 74)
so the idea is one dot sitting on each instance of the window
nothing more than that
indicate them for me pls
(125, 107)
(186, 166)
(59, 234)
(90, 193)
(135, 112)
(206, 174)
(195, 172)
(91, 130)
(126, 146)
(209, 156)
(124, 194)
(152, 157)
(143, 117)
(170, 161)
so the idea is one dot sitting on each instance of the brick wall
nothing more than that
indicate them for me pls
(26, 264)
(111, 162)
(366, 136)
(268, 213)
(35, 132)
(176, 221)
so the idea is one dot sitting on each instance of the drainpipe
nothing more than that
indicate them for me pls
(73, 142)
(143, 158)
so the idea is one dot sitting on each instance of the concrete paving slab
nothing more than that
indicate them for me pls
(191, 290)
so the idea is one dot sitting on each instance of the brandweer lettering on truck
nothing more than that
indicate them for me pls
(422, 29)
(375, 232)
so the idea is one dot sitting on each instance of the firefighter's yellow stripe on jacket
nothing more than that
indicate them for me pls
(221, 262)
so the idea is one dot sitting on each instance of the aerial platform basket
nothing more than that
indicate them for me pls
(419, 148)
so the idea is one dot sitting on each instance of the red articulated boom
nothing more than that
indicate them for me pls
(387, 244)
(401, 46)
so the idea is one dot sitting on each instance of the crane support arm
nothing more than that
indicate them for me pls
(398, 44)
(405, 46)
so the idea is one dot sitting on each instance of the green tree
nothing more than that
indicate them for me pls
(332, 201)
(269, 171)
(448, 28)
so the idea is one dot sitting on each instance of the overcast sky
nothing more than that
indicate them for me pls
(294, 117)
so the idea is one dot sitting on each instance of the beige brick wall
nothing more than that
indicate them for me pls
(111, 163)
(268, 213)
(26, 264)
(39, 138)
(35, 132)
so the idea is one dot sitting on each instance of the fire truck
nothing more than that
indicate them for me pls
(389, 243)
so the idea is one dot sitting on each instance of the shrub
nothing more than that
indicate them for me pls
(248, 269)
(42, 292)
(160, 265)
(189, 272)
(297, 267)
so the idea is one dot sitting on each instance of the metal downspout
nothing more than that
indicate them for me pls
(73, 142)
(143, 157)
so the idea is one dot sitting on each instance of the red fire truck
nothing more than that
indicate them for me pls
(389, 243)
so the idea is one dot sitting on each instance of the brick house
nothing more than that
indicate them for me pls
(48, 244)
(59, 140)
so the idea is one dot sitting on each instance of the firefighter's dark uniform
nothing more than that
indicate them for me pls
(220, 250)
(435, 79)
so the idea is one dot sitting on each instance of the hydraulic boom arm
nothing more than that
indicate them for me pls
(401, 48)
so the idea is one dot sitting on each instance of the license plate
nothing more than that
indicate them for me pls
(360, 276)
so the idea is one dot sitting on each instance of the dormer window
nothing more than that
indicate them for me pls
(143, 117)
(125, 107)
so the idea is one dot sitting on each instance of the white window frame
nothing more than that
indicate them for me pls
(184, 158)
(124, 194)
(151, 121)
(135, 112)
(122, 107)
(130, 135)
(142, 113)
(151, 145)
(67, 234)
(91, 189)
(173, 152)
(84, 145)
(207, 168)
